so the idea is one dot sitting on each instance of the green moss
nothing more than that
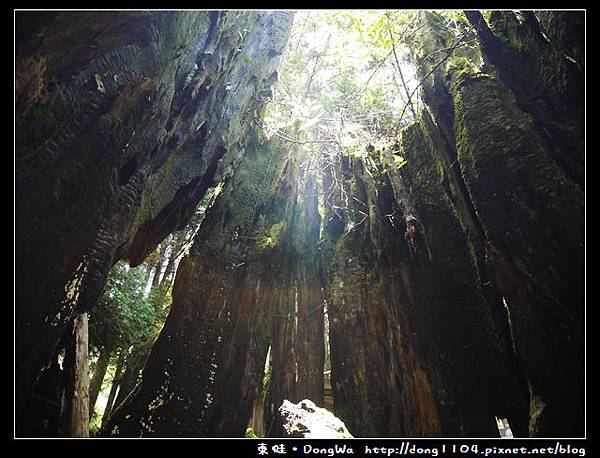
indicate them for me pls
(453, 260)
(460, 67)
(509, 169)
(553, 72)
(507, 26)
(487, 119)
(541, 68)
(463, 146)
(250, 434)
(271, 239)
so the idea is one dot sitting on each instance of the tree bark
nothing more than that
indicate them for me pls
(159, 264)
(167, 275)
(130, 374)
(222, 299)
(113, 388)
(379, 384)
(310, 342)
(83, 177)
(524, 59)
(76, 406)
(98, 377)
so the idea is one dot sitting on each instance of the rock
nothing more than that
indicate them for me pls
(305, 419)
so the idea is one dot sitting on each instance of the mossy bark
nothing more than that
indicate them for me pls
(378, 383)
(545, 83)
(298, 347)
(508, 155)
(124, 120)
(457, 316)
(206, 366)
(536, 253)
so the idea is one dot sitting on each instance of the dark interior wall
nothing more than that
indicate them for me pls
(480, 238)
(123, 121)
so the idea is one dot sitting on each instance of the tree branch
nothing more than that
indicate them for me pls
(399, 67)
(434, 68)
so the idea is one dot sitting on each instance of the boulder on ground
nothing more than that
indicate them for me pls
(305, 419)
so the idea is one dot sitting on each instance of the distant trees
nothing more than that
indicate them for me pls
(125, 319)
(129, 316)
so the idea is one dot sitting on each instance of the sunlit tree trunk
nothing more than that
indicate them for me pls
(131, 372)
(97, 378)
(167, 275)
(113, 389)
(76, 405)
(159, 264)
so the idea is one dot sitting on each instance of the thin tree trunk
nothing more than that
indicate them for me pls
(410, 103)
(113, 388)
(177, 248)
(127, 382)
(149, 266)
(76, 406)
(135, 363)
(157, 269)
(98, 377)
(169, 269)
(159, 264)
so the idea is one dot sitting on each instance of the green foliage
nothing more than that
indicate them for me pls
(340, 79)
(250, 434)
(461, 68)
(95, 422)
(350, 77)
(400, 161)
(272, 236)
(124, 315)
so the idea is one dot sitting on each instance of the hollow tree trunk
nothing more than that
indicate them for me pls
(379, 383)
(113, 111)
(222, 300)
(486, 216)
(473, 151)
(310, 335)
(459, 327)
(297, 350)
(535, 256)
(283, 381)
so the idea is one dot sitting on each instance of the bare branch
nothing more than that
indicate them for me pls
(433, 69)
(399, 67)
